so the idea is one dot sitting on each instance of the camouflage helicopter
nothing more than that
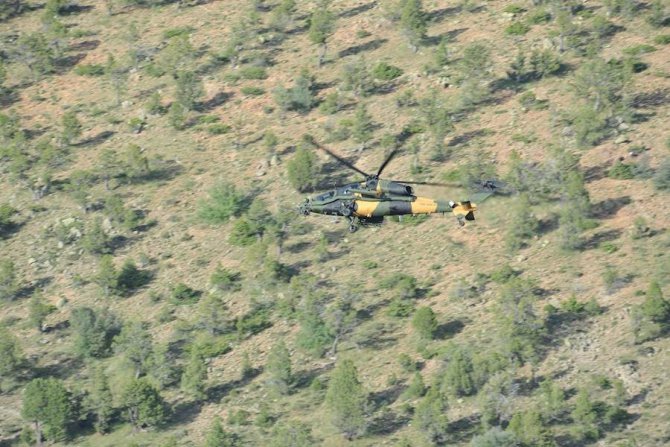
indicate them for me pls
(368, 202)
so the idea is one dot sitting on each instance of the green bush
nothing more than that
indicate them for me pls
(425, 322)
(252, 91)
(386, 72)
(299, 98)
(183, 294)
(218, 129)
(253, 72)
(514, 9)
(662, 39)
(400, 307)
(621, 171)
(224, 202)
(662, 176)
(253, 322)
(538, 17)
(131, 278)
(243, 233)
(517, 29)
(302, 169)
(6, 213)
(637, 50)
(90, 70)
(179, 31)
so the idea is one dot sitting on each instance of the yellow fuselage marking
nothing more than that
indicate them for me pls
(365, 208)
(462, 210)
(423, 205)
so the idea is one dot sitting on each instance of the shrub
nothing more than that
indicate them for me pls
(386, 72)
(252, 91)
(223, 279)
(183, 294)
(131, 278)
(90, 70)
(400, 308)
(218, 129)
(331, 104)
(662, 39)
(253, 72)
(637, 50)
(538, 17)
(302, 169)
(224, 202)
(662, 176)
(299, 98)
(6, 213)
(243, 233)
(621, 171)
(175, 32)
(424, 322)
(517, 29)
(514, 9)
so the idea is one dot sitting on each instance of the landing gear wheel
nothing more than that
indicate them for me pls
(347, 209)
(352, 224)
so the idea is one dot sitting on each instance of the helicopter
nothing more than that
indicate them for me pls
(369, 201)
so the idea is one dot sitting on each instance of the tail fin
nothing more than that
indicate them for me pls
(464, 211)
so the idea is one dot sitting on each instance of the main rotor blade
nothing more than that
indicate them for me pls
(427, 183)
(341, 160)
(388, 159)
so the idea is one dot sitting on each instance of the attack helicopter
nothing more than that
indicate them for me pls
(369, 201)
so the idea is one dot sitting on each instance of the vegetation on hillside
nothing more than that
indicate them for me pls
(157, 287)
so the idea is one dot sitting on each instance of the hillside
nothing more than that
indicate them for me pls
(159, 288)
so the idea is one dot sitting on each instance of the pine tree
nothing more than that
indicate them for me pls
(46, 403)
(313, 335)
(107, 277)
(362, 127)
(194, 375)
(143, 404)
(522, 330)
(413, 22)
(189, 89)
(346, 400)
(96, 240)
(302, 169)
(293, 434)
(340, 317)
(71, 128)
(655, 307)
(430, 415)
(161, 366)
(101, 401)
(321, 27)
(10, 353)
(93, 331)
(424, 322)
(524, 224)
(135, 344)
(217, 436)
(529, 429)
(117, 76)
(224, 202)
(279, 368)
(552, 399)
(585, 417)
(416, 388)
(212, 313)
(494, 437)
(458, 378)
(8, 281)
(38, 310)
